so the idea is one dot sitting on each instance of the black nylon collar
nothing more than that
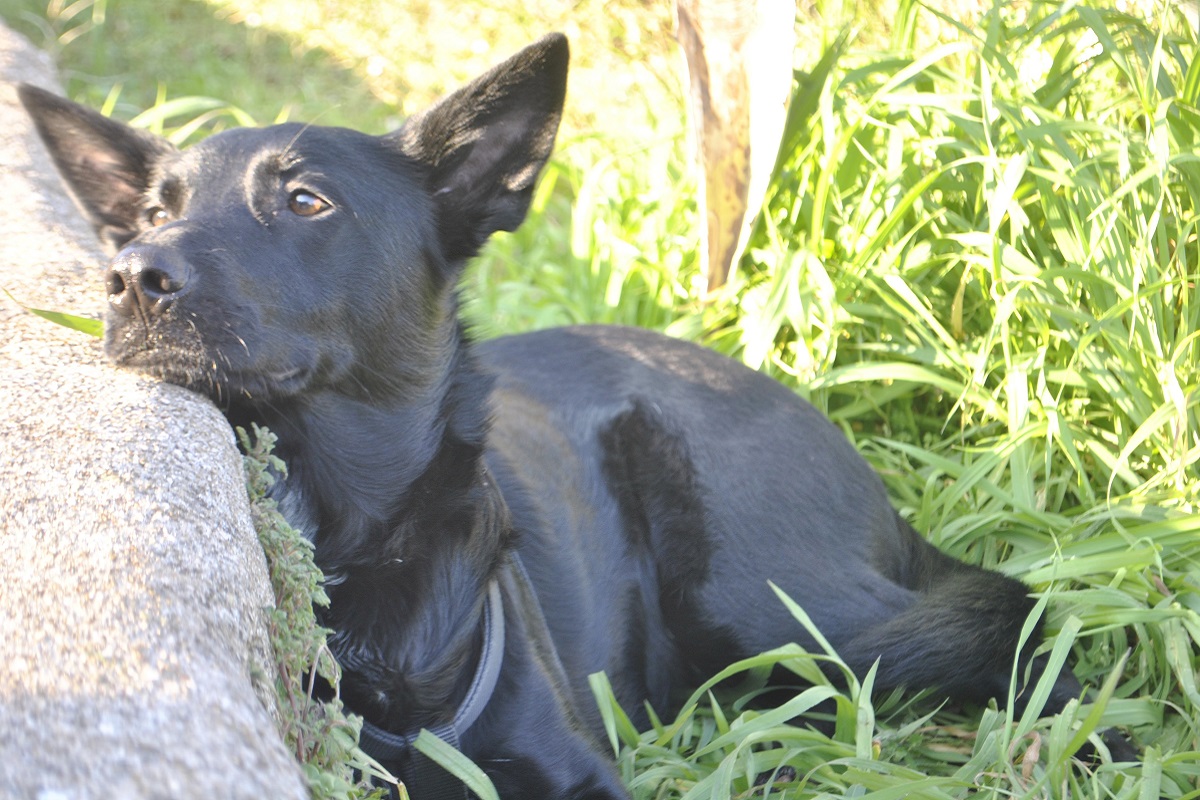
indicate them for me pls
(424, 778)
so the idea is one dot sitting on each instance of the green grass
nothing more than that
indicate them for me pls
(978, 256)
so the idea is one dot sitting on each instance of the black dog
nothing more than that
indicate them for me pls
(610, 498)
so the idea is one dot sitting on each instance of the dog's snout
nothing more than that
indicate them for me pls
(145, 279)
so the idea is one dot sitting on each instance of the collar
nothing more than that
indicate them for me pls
(423, 778)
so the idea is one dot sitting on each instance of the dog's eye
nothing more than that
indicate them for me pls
(306, 204)
(157, 216)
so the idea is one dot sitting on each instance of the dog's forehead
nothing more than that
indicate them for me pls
(289, 146)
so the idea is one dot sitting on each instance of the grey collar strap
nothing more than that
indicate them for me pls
(423, 778)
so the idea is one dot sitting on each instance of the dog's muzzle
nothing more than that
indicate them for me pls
(146, 280)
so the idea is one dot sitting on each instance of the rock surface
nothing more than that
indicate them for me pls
(134, 661)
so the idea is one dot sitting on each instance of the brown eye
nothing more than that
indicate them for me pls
(306, 204)
(157, 216)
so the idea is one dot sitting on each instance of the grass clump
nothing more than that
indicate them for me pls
(321, 735)
(980, 258)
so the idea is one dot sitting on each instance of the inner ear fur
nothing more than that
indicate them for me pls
(106, 165)
(486, 143)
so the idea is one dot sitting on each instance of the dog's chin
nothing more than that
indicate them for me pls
(223, 383)
(220, 369)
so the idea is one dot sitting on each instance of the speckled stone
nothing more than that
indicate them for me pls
(134, 661)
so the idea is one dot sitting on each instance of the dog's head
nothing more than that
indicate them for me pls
(264, 263)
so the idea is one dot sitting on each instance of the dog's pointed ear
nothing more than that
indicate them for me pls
(486, 143)
(105, 164)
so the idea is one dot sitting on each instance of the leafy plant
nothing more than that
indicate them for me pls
(322, 736)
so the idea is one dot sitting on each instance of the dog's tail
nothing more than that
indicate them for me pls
(960, 635)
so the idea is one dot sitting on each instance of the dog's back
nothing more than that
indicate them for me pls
(694, 484)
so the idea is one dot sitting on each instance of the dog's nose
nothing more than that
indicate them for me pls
(145, 278)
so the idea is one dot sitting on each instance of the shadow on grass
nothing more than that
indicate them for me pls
(193, 50)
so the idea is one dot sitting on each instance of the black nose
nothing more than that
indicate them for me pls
(148, 279)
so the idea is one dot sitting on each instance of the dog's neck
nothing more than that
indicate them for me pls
(408, 528)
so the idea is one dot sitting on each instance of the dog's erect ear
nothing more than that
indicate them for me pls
(105, 164)
(486, 143)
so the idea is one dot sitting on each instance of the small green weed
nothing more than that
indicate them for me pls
(323, 737)
(88, 325)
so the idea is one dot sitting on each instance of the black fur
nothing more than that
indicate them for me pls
(303, 277)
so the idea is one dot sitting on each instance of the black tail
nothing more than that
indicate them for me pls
(960, 636)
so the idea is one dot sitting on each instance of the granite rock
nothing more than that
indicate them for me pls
(134, 659)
